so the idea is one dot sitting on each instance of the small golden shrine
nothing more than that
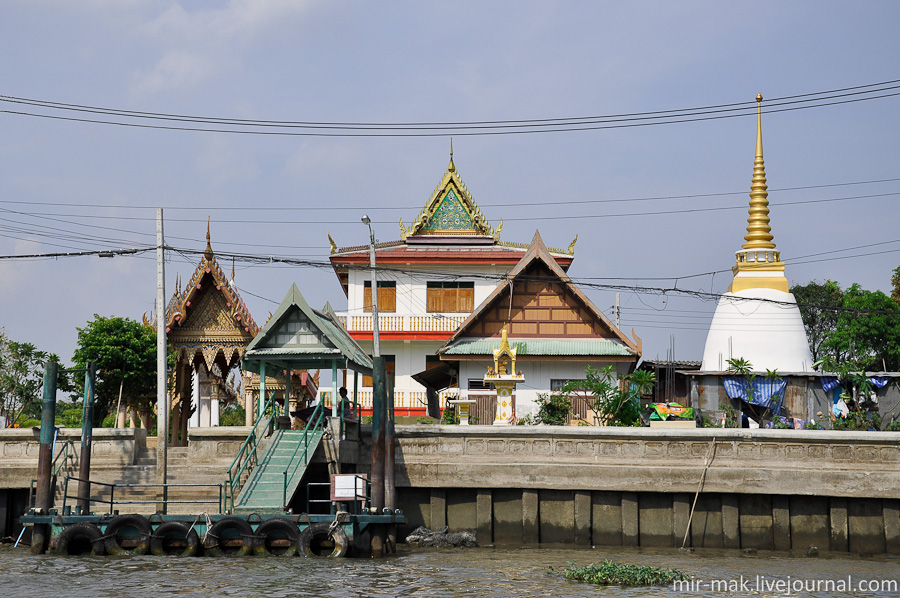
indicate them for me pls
(504, 377)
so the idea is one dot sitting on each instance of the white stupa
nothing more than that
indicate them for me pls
(758, 319)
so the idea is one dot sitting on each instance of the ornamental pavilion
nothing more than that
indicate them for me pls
(209, 327)
(447, 261)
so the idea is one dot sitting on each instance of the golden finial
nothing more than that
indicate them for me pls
(232, 268)
(333, 244)
(572, 245)
(759, 233)
(209, 252)
(452, 167)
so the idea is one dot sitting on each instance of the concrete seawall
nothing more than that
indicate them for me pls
(764, 489)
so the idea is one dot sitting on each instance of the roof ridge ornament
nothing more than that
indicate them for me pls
(208, 254)
(451, 167)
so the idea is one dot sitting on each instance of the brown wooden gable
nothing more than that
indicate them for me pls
(542, 306)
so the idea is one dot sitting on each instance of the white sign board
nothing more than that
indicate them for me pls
(348, 486)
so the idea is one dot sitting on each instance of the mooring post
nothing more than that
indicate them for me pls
(377, 477)
(390, 487)
(43, 498)
(87, 432)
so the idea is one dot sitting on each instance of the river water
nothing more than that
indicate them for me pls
(483, 572)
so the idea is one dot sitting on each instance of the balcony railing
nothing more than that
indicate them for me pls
(403, 399)
(403, 323)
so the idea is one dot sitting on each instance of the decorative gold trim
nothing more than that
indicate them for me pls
(742, 283)
(571, 249)
(333, 245)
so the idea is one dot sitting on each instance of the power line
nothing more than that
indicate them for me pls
(413, 130)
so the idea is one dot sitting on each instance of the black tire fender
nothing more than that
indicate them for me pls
(319, 540)
(277, 537)
(174, 538)
(80, 538)
(127, 534)
(230, 536)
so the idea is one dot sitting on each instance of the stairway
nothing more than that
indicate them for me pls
(264, 490)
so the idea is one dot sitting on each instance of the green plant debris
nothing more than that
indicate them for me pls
(609, 573)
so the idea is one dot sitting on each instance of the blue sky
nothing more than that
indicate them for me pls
(68, 186)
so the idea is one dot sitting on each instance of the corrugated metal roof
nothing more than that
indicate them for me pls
(544, 346)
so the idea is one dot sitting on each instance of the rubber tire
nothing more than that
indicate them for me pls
(276, 529)
(140, 526)
(228, 528)
(73, 538)
(316, 537)
(178, 531)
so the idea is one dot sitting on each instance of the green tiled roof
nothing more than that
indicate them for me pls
(542, 347)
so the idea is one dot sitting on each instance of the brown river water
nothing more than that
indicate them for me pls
(483, 572)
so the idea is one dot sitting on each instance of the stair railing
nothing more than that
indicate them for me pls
(315, 423)
(247, 456)
(63, 456)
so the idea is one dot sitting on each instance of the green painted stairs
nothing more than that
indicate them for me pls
(264, 490)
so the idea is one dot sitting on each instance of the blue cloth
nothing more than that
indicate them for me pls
(829, 382)
(767, 393)
(879, 381)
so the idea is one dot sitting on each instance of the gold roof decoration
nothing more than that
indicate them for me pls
(571, 249)
(334, 245)
(183, 301)
(504, 359)
(451, 210)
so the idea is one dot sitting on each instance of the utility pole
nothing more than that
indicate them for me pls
(379, 410)
(162, 397)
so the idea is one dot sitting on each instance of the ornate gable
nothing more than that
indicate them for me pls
(450, 210)
(209, 316)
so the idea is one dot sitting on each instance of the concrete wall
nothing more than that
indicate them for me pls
(765, 489)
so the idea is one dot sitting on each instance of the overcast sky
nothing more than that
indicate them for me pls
(71, 186)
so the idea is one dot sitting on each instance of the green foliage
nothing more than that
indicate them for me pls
(819, 307)
(894, 426)
(233, 415)
(609, 573)
(860, 421)
(615, 400)
(22, 379)
(448, 417)
(68, 415)
(895, 285)
(868, 336)
(125, 352)
(425, 420)
(732, 416)
(553, 408)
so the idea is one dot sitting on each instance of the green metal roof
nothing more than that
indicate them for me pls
(541, 347)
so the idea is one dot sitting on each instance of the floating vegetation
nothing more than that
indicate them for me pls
(609, 573)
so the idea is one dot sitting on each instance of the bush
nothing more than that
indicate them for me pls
(233, 415)
(609, 573)
(448, 417)
(553, 408)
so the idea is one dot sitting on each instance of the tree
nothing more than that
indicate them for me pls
(125, 352)
(867, 334)
(22, 379)
(819, 306)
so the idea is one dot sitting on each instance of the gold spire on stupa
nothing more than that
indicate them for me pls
(452, 166)
(758, 265)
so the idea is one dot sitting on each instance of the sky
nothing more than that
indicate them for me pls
(65, 186)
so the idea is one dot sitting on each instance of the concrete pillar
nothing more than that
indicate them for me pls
(891, 525)
(681, 511)
(838, 517)
(781, 522)
(484, 516)
(630, 519)
(530, 517)
(731, 523)
(583, 517)
(438, 508)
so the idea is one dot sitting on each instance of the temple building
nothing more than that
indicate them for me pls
(209, 327)
(429, 281)
(757, 319)
(551, 329)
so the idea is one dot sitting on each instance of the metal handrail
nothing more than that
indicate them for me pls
(165, 501)
(63, 456)
(246, 457)
(313, 425)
